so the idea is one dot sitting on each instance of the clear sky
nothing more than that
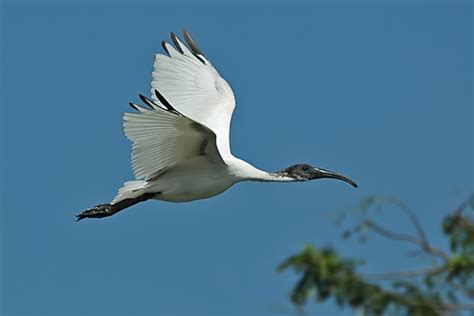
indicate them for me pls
(379, 92)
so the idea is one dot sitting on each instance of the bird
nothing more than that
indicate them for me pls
(180, 136)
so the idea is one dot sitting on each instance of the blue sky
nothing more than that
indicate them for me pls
(379, 92)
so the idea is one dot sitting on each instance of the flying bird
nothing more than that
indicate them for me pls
(180, 137)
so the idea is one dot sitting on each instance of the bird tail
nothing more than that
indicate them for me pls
(129, 190)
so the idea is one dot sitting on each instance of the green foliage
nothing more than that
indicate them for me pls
(324, 274)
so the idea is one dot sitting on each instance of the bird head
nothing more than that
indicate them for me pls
(305, 172)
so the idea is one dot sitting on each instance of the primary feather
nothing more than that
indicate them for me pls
(194, 87)
(162, 137)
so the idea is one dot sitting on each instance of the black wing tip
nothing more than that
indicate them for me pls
(175, 40)
(197, 52)
(166, 104)
(143, 98)
(134, 106)
(163, 44)
(163, 100)
(192, 44)
(147, 101)
(200, 58)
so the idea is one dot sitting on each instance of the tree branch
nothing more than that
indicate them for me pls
(411, 215)
(458, 211)
(456, 307)
(404, 274)
(406, 237)
(466, 290)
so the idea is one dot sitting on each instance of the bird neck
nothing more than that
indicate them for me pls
(271, 177)
(242, 170)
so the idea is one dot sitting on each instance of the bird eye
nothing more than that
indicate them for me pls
(305, 168)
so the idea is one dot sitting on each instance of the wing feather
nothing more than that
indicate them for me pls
(162, 137)
(192, 44)
(189, 81)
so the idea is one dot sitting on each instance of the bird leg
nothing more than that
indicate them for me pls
(105, 210)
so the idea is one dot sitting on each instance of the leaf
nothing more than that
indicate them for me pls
(346, 234)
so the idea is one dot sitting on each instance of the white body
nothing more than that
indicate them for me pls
(193, 179)
(196, 179)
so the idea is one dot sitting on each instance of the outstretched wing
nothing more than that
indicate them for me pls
(162, 136)
(189, 81)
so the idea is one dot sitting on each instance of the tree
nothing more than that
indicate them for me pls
(446, 287)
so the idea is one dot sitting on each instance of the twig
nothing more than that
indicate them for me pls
(456, 307)
(466, 290)
(463, 222)
(406, 237)
(458, 210)
(411, 215)
(404, 274)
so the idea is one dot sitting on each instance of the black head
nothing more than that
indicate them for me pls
(305, 172)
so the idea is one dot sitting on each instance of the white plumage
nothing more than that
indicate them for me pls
(181, 149)
(196, 90)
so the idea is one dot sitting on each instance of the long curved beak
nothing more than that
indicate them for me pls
(323, 173)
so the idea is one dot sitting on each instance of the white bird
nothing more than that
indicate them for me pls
(181, 149)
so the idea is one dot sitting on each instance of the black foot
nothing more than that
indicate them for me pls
(98, 211)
